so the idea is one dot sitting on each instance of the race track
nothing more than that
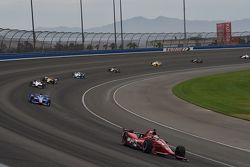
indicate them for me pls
(82, 126)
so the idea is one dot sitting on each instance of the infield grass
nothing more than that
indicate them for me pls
(227, 93)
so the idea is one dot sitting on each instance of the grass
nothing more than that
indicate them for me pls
(227, 93)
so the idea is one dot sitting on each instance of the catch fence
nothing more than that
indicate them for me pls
(13, 40)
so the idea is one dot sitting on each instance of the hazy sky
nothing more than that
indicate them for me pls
(52, 13)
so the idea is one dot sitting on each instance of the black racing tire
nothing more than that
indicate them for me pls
(180, 151)
(147, 146)
(30, 99)
(41, 87)
(124, 138)
(48, 104)
(31, 83)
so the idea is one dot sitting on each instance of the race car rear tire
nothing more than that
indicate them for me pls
(48, 104)
(124, 138)
(147, 146)
(41, 87)
(180, 151)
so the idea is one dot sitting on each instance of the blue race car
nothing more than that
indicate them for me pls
(39, 99)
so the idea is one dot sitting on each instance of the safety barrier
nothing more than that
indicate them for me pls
(221, 47)
(212, 47)
(51, 54)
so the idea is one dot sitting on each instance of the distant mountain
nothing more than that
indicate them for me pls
(160, 24)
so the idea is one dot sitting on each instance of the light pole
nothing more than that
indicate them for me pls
(33, 25)
(114, 23)
(184, 15)
(82, 24)
(122, 42)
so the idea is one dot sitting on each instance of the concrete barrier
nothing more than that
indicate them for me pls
(56, 54)
(221, 47)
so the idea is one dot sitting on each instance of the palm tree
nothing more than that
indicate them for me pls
(159, 45)
(112, 46)
(97, 47)
(105, 46)
(132, 45)
(58, 46)
(89, 47)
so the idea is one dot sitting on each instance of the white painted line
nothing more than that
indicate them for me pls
(151, 74)
(210, 159)
(87, 55)
(169, 127)
(90, 111)
(120, 127)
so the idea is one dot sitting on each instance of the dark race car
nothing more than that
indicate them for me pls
(39, 99)
(114, 70)
(37, 84)
(150, 142)
(197, 61)
(50, 80)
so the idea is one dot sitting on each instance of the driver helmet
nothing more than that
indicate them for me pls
(154, 132)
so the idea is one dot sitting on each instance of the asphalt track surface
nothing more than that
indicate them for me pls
(70, 134)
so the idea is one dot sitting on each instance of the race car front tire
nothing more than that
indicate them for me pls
(48, 104)
(30, 99)
(147, 146)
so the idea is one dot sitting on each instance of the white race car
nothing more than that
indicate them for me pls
(79, 75)
(246, 56)
(37, 84)
(156, 64)
(197, 61)
(114, 70)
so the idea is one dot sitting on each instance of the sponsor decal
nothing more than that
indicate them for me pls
(185, 49)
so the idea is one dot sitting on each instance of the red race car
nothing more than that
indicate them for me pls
(150, 142)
